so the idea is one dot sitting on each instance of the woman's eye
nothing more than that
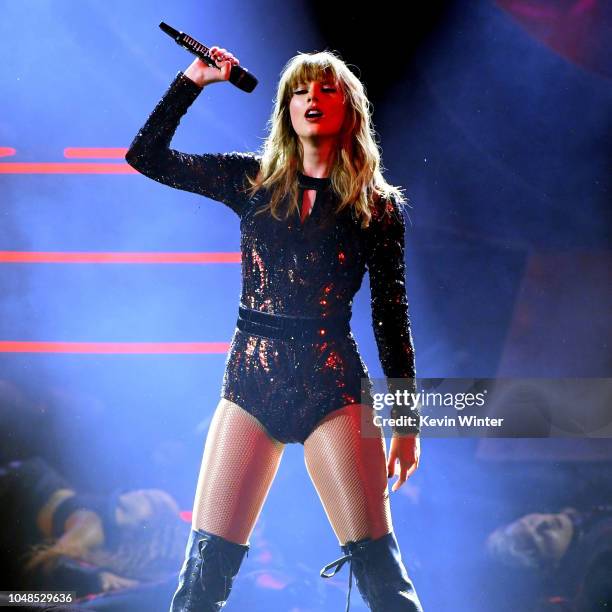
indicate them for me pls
(326, 89)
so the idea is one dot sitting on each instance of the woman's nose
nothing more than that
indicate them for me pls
(312, 92)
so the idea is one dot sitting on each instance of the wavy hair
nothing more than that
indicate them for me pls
(356, 175)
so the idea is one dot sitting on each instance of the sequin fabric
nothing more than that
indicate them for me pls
(309, 268)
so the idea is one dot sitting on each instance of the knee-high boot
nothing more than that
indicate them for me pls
(381, 576)
(211, 563)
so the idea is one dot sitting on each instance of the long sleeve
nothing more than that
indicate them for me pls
(386, 266)
(218, 176)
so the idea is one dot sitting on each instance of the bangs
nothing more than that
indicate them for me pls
(308, 70)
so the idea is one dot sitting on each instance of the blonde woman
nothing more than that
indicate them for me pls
(87, 543)
(315, 213)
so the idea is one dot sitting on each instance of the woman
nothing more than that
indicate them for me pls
(314, 212)
(85, 543)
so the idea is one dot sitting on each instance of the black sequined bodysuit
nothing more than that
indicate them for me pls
(310, 268)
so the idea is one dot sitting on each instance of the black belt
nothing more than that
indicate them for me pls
(287, 327)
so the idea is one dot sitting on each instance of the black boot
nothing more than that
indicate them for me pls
(211, 563)
(381, 576)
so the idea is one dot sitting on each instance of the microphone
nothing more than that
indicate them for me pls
(239, 76)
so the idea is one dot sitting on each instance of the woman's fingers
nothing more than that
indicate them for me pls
(224, 60)
(393, 457)
(111, 582)
(406, 470)
(217, 70)
(401, 480)
(407, 451)
(220, 54)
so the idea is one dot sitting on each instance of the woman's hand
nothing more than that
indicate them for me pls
(407, 449)
(112, 582)
(203, 74)
(83, 531)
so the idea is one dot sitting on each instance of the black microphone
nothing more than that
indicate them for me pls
(239, 76)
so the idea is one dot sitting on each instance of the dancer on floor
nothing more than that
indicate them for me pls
(315, 213)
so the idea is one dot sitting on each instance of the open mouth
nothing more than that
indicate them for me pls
(313, 115)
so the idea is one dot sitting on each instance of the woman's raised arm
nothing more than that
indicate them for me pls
(219, 176)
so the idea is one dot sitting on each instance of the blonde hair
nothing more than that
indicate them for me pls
(356, 175)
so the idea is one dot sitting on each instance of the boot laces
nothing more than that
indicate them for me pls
(349, 558)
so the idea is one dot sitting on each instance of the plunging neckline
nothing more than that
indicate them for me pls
(308, 183)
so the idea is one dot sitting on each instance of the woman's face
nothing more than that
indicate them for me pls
(325, 97)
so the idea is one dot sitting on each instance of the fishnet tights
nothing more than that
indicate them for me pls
(349, 471)
(241, 459)
(239, 464)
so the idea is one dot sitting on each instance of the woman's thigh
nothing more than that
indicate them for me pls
(239, 464)
(345, 457)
